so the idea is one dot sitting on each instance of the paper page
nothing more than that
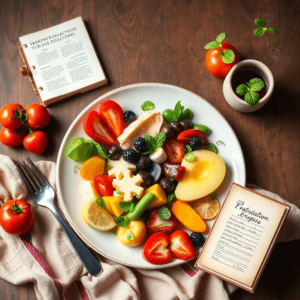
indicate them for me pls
(63, 57)
(242, 235)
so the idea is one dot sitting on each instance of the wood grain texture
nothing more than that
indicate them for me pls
(162, 41)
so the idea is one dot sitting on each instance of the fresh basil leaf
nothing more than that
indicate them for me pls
(211, 147)
(122, 221)
(256, 84)
(150, 142)
(251, 98)
(260, 22)
(228, 56)
(164, 213)
(118, 191)
(170, 197)
(101, 202)
(242, 89)
(213, 196)
(189, 157)
(114, 231)
(160, 138)
(220, 143)
(130, 235)
(212, 45)
(81, 149)
(259, 31)
(220, 38)
(100, 149)
(76, 167)
(188, 149)
(148, 105)
(171, 177)
(272, 29)
(127, 206)
(177, 111)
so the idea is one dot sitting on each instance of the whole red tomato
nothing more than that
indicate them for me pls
(36, 142)
(16, 217)
(12, 138)
(38, 116)
(9, 111)
(214, 62)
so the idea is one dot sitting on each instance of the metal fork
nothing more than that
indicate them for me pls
(43, 194)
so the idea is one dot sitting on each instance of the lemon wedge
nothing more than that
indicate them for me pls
(207, 208)
(97, 217)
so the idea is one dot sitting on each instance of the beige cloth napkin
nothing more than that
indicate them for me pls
(46, 258)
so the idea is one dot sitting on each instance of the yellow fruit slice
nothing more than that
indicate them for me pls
(92, 167)
(207, 208)
(97, 217)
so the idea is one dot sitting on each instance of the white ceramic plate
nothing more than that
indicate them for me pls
(130, 98)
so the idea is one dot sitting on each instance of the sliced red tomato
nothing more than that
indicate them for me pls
(155, 224)
(95, 128)
(175, 151)
(111, 114)
(155, 249)
(186, 135)
(181, 246)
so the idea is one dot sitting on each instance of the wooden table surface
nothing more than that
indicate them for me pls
(162, 41)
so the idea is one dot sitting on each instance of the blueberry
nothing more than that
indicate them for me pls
(195, 143)
(129, 116)
(140, 144)
(197, 239)
(130, 155)
(143, 163)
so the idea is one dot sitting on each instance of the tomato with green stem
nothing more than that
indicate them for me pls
(10, 115)
(36, 116)
(36, 142)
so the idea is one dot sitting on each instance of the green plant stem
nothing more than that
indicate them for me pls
(222, 53)
(268, 42)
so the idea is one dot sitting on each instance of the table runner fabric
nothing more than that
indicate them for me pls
(46, 258)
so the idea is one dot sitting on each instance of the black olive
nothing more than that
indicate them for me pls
(177, 126)
(155, 172)
(143, 163)
(169, 131)
(114, 152)
(146, 178)
(186, 124)
(167, 185)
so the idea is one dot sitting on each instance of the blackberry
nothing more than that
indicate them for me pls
(129, 116)
(197, 239)
(195, 143)
(130, 155)
(140, 144)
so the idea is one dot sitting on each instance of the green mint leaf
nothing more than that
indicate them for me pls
(114, 231)
(213, 196)
(256, 84)
(164, 213)
(81, 149)
(100, 149)
(147, 152)
(171, 177)
(211, 147)
(101, 202)
(220, 38)
(220, 143)
(127, 206)
(251, 98)
(148, 105)
(178, 111)
(122, 221)
(188, 149)
(150, 142)
(76, 167)
(118, 191)
(160, 138)
(170, 197)
(260, 22)
(130, 235)
(242, 89)
(272, 29)
(228, 56)
(212, 45)
(189, 157)
(259, 31)
(106, 167)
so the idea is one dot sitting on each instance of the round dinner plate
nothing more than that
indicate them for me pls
(130, 98)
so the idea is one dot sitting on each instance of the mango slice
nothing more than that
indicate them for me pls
(160, 197)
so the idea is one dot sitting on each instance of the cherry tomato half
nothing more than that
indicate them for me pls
(7, 112)
(38, 116)
(214, 62)
(36, 142)
(16, 216)
(12, 138)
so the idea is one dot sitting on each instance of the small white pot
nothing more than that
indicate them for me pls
(253, 65)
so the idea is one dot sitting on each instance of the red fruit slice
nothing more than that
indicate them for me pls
(111, 114)
(174, 150)
(155, 249)
(155, 224)
(181, 246)
(176, 171)
(95, 128)
(186, 135)
(103, 185)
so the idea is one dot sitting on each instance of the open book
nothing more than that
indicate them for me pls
(61, 61)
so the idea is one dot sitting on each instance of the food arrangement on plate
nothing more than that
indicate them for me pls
(143, 175)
